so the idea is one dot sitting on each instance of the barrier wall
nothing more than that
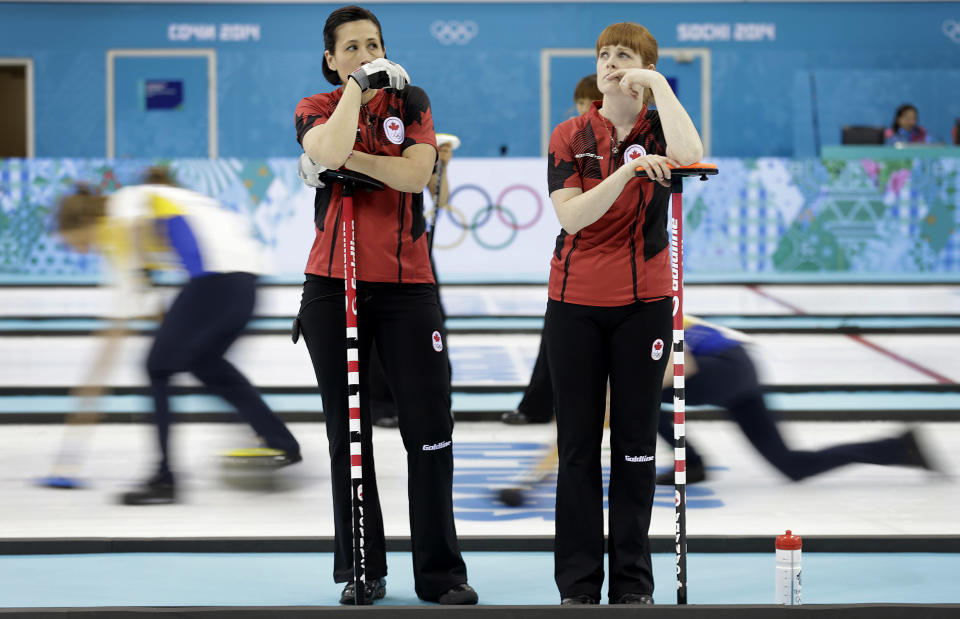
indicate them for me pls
(759, 219)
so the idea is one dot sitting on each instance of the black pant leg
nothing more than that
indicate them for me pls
(537, 401)
(722, 377)
(160, 392)
(728, 379)
(578, 351)
(409, 329)
(228, 301)
(165, 358)
(195, 326)
(665, 429)
(323, 324)
(222, 378)
(640, 350)
(760, 427)
(443, 317)
(382, 402)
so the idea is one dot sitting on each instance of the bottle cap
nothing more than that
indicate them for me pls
(788, 541)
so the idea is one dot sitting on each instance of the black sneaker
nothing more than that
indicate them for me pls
(579, 600)
(696, 473)
(517, 418)
(916, 455)
(287, 459)
(158, 490)
(461, 594)
(372, 589)
(640, 599)
(511, 497)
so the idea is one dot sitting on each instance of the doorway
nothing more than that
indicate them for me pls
(16, 107)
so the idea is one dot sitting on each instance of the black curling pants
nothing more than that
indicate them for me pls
(729, 379)
(382, 403)
(402, 319)
(585, 346)
(537, 401)
(203, 321)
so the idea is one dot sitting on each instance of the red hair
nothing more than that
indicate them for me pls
(632, 36)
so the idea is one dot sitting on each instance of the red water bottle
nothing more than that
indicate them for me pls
(789, 549)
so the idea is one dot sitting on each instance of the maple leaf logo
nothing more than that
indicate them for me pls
(634, 154)
(658, 346)
(393, 126)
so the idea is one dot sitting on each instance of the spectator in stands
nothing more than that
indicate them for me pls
(905, 129)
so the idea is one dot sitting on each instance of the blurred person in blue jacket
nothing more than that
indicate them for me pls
(719, 372)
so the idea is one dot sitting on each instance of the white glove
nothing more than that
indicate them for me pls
(381, 73)
(309, 172)
(448, 138)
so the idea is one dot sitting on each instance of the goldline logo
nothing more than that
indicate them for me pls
(437, 446)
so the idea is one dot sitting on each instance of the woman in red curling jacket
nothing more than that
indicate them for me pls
(377, 124)
(609, 312)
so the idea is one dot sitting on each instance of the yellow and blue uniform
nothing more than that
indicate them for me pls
(151, 227)
(160, 227)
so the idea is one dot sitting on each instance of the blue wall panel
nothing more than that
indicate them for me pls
(142, 132)
(487, 89)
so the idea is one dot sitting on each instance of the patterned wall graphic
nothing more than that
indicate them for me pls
(824, 216)
(266, 190)
(757, 217)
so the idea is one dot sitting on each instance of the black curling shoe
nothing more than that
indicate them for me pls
(639, 599)
(461, 594)
(373, 590)
(516, 418)
(158, 490)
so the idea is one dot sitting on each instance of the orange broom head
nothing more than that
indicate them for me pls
(694, 169)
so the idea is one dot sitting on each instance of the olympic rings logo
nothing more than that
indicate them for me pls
(459, 32)
(951, 28)
(485, 215)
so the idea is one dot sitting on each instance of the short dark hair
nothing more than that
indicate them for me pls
(81, 209)
(336, 19)
(587, 89)
(159, 175)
